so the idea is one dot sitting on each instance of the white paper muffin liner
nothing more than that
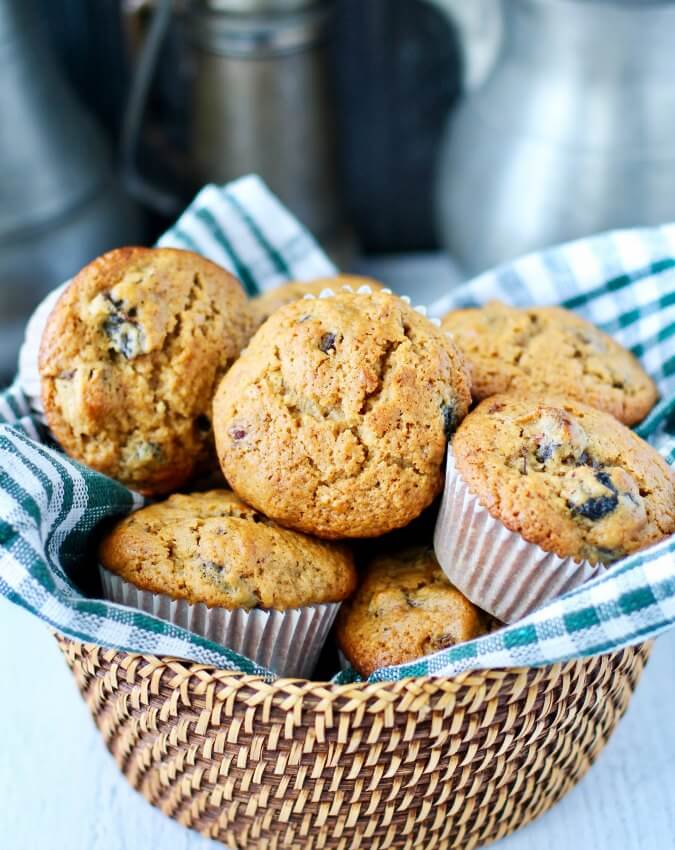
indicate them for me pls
(286, 642)
(496, 568)
(29, 375)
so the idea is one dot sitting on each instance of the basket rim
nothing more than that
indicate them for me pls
(418, 684)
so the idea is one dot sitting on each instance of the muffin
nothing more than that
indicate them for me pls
(540, 494)
(264, 305)
(405, 608)
(549, 350)
(212, 563)
(335, 419)
(130, 359)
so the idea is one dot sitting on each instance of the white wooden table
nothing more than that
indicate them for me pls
(61, 790)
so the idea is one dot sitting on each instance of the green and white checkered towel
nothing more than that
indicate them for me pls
(50, 506)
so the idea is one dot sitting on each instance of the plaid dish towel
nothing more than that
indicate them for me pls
(50, 505)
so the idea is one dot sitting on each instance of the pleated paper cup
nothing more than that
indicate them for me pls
(496, 568)
(286, 642)
(29, 375)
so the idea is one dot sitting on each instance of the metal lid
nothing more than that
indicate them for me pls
(256, 7)
(257, 35)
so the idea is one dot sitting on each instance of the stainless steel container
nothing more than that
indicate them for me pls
(573, 131)
(261, 101)
(59, 203)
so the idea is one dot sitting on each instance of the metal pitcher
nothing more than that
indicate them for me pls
(572, 132)
(260, 101)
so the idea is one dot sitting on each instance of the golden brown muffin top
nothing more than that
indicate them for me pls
(565, 476)
(130, 359)
(548, 349)
(213, 548)
(404, 608)
(335, 419)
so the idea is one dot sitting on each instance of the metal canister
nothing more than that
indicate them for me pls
(60, 205)
(571, 133)
(261, 102)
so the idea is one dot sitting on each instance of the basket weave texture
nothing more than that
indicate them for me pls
(424, 763)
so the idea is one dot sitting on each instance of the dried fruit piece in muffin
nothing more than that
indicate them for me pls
(404, 608)
(212, 548)
(264, 305)
(335, 419)
(550, 350)
(565, 476)
(130, 359)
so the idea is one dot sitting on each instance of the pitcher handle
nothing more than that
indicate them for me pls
(158, 199)
(479, 25)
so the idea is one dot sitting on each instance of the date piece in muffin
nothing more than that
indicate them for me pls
(550, 350)
(130, 359)
(264, 305)
(213, 548)
(404, 608)
(335, 419)
(565, 476)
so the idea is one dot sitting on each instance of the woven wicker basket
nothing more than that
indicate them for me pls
(427, 762)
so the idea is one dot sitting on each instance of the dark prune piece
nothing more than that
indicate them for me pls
(545, 451)
(237, 433)
(598, 506)
(121, 335)
(450, 419)
(124, 333)
(112, 324)
(117, 303)
(595, 508)
(437, 642)
(327, 343)
(203, 423)
(605, 480)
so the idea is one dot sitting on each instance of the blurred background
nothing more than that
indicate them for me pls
(468, 132)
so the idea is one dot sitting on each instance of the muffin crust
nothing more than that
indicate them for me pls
(568, 477)
(212, 548)
(550, 350)
(404, 608)
(335, 419)
(130, 359)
